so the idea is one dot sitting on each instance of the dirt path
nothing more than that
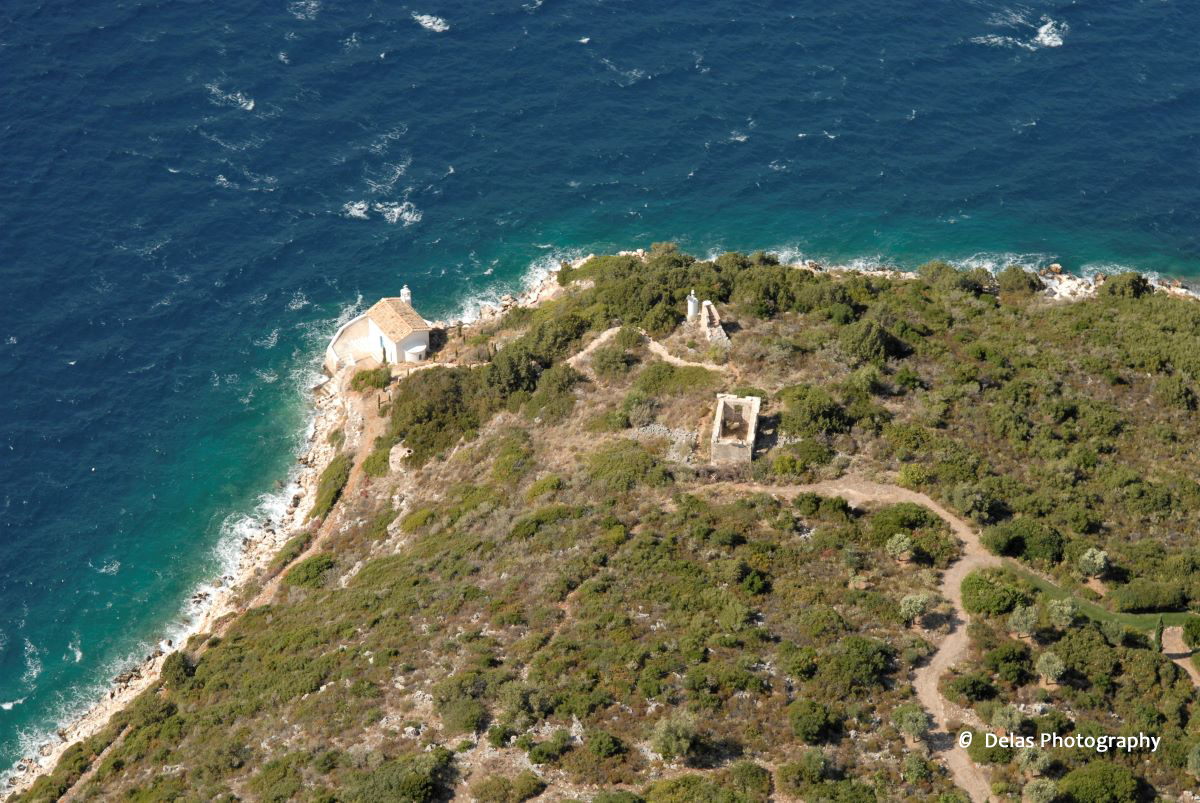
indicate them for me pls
(943, 743)
(1175, 649)
(652, 345)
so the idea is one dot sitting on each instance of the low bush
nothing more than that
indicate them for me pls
(1148, 595)
(329, 487)
(310, 572)
(991, 592)
(376, 378)
(623, 465)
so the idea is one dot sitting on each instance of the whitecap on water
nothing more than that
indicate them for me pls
(1047, 33)
(269, 341)
(1050, 33)
(404, 212)
(110, 568)
(304, 9)
(220, 97)
(355, 209)
(431, 23)
(33, 664)
(299, 301)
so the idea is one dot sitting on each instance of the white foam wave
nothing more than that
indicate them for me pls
(304, 9)
(385, 180)
(431, 23)
(355, 209)
(220, 97)
(33, 664)
(8, 706)
(1047, 33)
(76, 649)
(1050, 33)
(536, 273)
(110, 568)
(268, 341)
(298, 301)
(404, 212)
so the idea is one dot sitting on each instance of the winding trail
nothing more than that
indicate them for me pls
(943, 743)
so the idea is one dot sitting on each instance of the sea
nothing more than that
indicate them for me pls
(194, 194)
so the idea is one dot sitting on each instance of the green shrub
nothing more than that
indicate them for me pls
(310, 572)
(610, 361)
(1191, 632)
(856, 665)
(666, 379)
(177, 670)
(868, 342)
(499, 789)
(812, 768)
(975, 686)
(990, 592)
(376, 378)
(1175, 392)
(419, 778)
(1147, 595)
(418, 519)
(1126, 285)
(675, 735)
(810, 410)
(329, 487)
(543, 486)
(278, 781)
(1099, 781)
(604, 745)
(750, 781)
(623, 465)
(552, 749)
(1026, 538)
(377, 463)
(812, 721)
(980, 753)
(1016, 280)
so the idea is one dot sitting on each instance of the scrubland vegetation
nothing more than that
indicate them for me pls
(549, 599)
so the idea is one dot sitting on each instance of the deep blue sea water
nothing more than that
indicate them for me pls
(191, 193)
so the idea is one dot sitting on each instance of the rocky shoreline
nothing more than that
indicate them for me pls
(207, 606)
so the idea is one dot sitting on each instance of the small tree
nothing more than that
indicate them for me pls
(1008, 717)
(911, 720)
(1033, 761)
(1193, 760)
(1158, 634)
(1063, 612)
(1023, 620)
(1093, 562)
(913, 607)
(1050, 667)
(675, 735)
(900, 546)
(1041, 790)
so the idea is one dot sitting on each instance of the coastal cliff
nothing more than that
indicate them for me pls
(511, 570)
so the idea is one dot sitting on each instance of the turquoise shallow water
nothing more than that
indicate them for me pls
(195, 192)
